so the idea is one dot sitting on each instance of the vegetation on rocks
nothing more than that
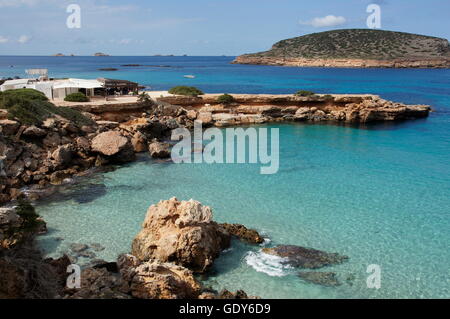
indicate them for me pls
(304, 93)
(360, 44)
(185, 90)
(76, 97)
(225, 99)
(32, 107)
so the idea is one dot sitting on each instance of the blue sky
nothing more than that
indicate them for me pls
(197, 27)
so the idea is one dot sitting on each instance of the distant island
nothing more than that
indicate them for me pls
(359, 48)
(100, 54)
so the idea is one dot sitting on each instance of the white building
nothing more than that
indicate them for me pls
(54, 89)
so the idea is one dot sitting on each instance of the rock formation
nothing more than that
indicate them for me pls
(240, 231)
(180, 232)
(114, 146)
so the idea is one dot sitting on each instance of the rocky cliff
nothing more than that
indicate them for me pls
(357, 48)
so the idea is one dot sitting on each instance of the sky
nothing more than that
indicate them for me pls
(197, 27)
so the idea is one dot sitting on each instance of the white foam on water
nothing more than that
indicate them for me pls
(269, 264)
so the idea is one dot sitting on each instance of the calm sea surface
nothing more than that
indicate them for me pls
(379, 194)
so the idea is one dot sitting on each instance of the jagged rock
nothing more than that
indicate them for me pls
(302, 257)
(9, 127)
(328, 279)
(34, 131)
(114, 145)
(159, 150)
(243, 233)
(192, 114)
(205, 117)
(156, 280)
(62, 156)
(100, 284)
(52, 140)
(139, 142)
(182, 233)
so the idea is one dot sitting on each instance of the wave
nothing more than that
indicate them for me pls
(269, 264)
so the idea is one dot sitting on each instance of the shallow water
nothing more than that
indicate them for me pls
(379, 194)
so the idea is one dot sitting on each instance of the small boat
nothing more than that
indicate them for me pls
(189, 76)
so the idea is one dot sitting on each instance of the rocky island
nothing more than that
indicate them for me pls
(356, 48)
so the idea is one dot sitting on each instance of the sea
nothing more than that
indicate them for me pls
(379, 193)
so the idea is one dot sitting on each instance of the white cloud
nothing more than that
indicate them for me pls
(24, 39)
(3, 39)
(328, 21)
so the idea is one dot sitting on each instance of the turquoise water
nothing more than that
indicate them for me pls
(379, 194)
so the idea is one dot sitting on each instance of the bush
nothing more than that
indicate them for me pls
(31, 107)
(328, 97)
(304, 93)
(185, 90)
(76, 97)
(145, 100)
(225, 99)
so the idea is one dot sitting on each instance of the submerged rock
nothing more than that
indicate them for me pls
(301, 257)
(328, 279)
(240, 231)
(182, 233)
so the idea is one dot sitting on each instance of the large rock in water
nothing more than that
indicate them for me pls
(113, 145)
(182, 233)
(302, 257)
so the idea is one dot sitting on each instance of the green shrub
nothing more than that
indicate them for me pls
(304, 93)
(225, 99)
(185, 90)
(328, 97)
(32, 107)
(76, 97)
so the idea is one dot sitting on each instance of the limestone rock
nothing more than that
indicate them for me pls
(155, 280)
(62, 156)
(182, 233)
(34, 131)
(240, 231)
(159, 150)
(113, 144)
(9, 127)
(139, 142)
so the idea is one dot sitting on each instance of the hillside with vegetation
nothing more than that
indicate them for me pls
(357, 44)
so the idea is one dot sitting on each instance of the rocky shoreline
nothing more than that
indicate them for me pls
(437, 63)
(48, 153)
(178, 239)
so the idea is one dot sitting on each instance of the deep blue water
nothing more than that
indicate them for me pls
(379, 194)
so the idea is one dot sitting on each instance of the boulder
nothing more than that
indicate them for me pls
(156, 280)
(139, 142)
(34, 131)
(205, 117)
(182, 233)
(301, 257)
(240, 231)
(9, 127)
(62, 156)
(159, 150)
(113, 145)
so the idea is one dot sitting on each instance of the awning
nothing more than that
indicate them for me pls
(77, 83)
